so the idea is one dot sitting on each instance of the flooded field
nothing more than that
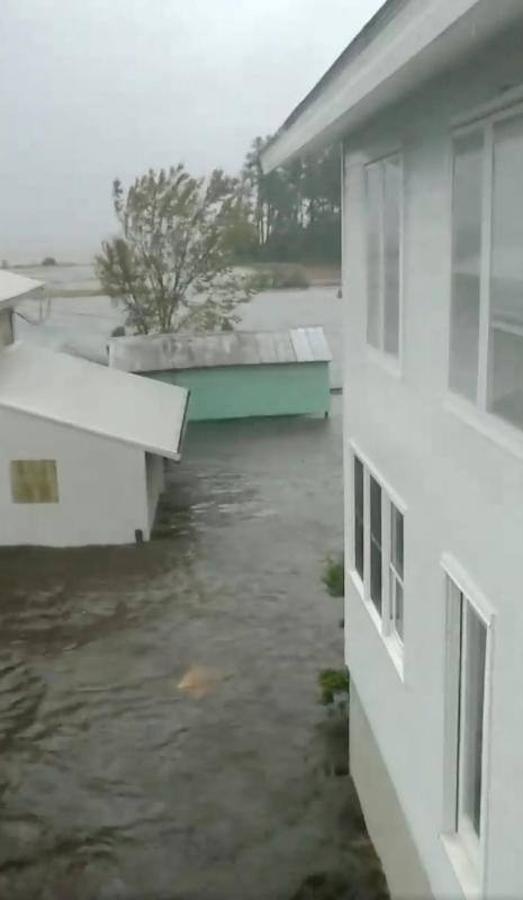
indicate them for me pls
(84, 323)
(160, 731)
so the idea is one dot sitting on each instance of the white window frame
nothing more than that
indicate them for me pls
(390, 361)
(477, 412)
(467, 852)
(384, 623)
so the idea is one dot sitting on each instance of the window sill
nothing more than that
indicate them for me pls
(387, 362)
(396, 653)
(465, 869)
(392, 645)
(491, 427)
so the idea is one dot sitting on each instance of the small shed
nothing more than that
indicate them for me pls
(83, 446)
(236, 374)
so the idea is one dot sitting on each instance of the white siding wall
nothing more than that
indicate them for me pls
(101, 486)
(463, 489)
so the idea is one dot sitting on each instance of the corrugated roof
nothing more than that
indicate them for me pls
(81, 394)
(163, 352)
(13, 287)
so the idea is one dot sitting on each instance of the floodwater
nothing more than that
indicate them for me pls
(83, 324)
(160, 730)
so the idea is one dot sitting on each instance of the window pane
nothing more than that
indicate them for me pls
(391, 239)
(473, 674)
(358, 517)
(375, 575)
(506, 309)
(373, 198)
(466, 255)
(397, 540)
(397, 606)
(375, 547)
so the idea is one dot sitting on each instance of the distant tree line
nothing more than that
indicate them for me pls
(292, 214)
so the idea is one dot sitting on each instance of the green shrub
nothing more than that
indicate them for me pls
(333, 682)
(334, 576)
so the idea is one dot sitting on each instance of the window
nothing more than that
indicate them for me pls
(486, 337)
(383, 202)
(358, 518)
(505, 363)
(375, 544)
(468, 635)
(470, 748)
(34, 481)
(466, 265)
(378, 554)
(396, 572)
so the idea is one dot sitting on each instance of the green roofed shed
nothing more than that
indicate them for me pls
(236, 374)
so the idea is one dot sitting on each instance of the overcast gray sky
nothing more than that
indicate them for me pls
(94, 89)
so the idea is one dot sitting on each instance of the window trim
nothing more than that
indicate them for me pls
(469, 863)
(502, 430)
(389, 498)
(390, 362)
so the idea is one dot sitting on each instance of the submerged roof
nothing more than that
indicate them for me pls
(14, 287)
(403, 45)
(93, 398)
(161, 352)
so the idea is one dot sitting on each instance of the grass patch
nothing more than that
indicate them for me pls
(277, 276)
(334, 685)
(334, 576)
(57, 293)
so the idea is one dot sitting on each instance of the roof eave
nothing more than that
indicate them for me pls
(153, 449)
(12, 301)
(415, 44)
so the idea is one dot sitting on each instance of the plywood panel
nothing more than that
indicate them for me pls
(34, 481)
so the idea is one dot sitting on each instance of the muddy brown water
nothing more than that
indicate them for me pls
(160, 731)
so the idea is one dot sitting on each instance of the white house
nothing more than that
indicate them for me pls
(427, 103)
(82, 446)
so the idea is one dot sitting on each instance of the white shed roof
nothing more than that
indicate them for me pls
(162, 352)
(93, 398)
(14, 287)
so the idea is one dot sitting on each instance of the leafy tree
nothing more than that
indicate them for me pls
(171, 266)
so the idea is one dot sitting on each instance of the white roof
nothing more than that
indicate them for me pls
(14, 287)
(162, 352)
(84, 395)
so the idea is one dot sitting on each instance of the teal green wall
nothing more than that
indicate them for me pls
(263, 390)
